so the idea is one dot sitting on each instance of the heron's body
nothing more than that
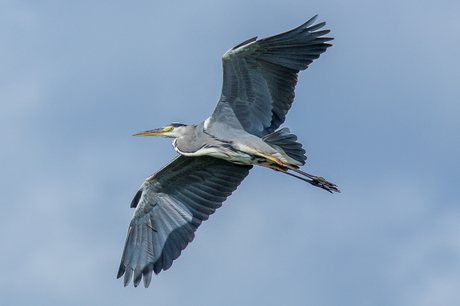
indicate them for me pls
(239, 147)
(216, 155)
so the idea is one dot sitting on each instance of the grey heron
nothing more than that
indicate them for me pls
(259, 77)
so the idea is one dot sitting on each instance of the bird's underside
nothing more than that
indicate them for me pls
(259, 78)
(279, 150)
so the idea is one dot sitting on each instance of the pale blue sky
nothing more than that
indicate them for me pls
(378, 114)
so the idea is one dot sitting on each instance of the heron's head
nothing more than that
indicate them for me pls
(173, 130)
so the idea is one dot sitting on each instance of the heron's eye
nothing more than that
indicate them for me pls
(168, 129)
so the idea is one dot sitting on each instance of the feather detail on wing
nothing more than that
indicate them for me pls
(170, 206)
(260, 77)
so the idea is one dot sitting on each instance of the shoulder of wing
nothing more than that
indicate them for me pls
(247, 46)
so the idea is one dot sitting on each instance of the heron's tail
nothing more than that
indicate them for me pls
(287, 142)
(283, 140)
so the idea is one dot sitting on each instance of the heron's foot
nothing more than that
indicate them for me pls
(322, 183)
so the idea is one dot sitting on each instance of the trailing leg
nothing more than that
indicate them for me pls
(317, 181)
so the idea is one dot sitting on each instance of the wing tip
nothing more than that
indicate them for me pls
(145, 275)
(128, 275)
(121, 270)
(311, 20)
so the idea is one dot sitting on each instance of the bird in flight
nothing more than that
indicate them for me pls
(216, 155)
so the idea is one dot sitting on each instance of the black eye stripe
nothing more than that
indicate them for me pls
(177, 124)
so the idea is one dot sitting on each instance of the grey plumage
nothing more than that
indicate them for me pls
(283, 140)
(259, 79)
(170, 206)
(216, 155)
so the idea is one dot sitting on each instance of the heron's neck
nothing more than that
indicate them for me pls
(187, 142)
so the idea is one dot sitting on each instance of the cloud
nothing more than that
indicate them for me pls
(377, 114)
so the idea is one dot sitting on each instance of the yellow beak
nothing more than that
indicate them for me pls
(156, 132)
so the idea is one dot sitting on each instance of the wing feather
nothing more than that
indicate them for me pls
(170, 206)
(260, 77)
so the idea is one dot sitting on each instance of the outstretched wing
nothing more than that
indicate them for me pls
(170, 205)
(260, 77)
